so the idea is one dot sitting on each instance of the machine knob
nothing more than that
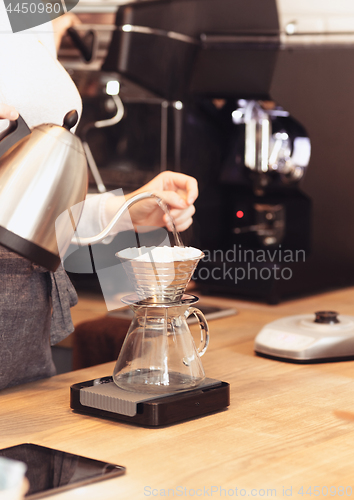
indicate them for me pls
(70, 119)
(326, 317)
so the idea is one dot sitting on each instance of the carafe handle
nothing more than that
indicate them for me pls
(204, 329)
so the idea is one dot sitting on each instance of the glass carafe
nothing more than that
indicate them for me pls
(159, 355)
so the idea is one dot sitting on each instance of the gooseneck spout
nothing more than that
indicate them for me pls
(77, 240)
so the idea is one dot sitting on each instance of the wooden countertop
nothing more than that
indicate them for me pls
(288, 427)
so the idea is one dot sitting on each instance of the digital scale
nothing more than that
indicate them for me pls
(308, 338)
(102, 398)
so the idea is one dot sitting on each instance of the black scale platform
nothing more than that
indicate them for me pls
(102, 398)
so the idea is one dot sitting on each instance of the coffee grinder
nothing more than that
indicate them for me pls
(263, 88)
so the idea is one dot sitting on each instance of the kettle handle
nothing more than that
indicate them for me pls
(17, 130)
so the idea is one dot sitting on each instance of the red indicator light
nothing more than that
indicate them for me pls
(239, 214)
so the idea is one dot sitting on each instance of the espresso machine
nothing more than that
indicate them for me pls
(259, 95)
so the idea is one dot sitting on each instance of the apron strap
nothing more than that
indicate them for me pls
(64, 297)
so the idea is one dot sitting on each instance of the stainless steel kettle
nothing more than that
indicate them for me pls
(43, 172)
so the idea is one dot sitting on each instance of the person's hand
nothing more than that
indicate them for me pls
(61, 24)
(178, 191)
(8, 112)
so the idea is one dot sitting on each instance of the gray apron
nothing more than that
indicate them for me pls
(34, 314)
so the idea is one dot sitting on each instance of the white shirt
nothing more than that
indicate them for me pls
(31, 78)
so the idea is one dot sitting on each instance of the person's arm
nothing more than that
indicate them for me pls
(178, 190)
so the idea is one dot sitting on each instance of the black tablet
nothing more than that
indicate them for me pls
(51, 471)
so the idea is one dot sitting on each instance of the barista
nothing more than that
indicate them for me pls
(35, 304)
